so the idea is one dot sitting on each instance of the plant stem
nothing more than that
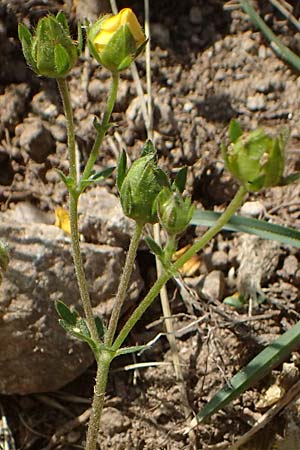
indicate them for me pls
(103, 127)
(104, 361)
(73, 209)
(65, 95)
(124, 281)
(154, 291)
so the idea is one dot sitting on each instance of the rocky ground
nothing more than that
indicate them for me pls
(208, 65)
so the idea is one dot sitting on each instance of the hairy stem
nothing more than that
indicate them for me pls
(103, 127)
(123, 285)
(104, 361)
(154, 291)
(73, 208)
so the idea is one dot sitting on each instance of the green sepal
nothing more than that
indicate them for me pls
(154, 247)
(61, 18)
(180, 179)
(125, 63)
(26, 40)
(148, 148)
(120, 48)
(235, 131)
(61, 59)
(162, 178)
(121, 169)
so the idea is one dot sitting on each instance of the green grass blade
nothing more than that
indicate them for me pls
(258, 367)
(261, 228)
(279, 48)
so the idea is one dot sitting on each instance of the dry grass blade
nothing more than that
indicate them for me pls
(285, 10)
(6, 438)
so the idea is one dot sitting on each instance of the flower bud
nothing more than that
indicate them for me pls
(256, 159)
(140, 187)
(115, 41)
(51, 51)
(174, 212)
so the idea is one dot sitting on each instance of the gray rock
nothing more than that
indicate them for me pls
(214, 285)
(43, 106)
(114, 421)
(36, 355)
(37, 140)
(102, 219)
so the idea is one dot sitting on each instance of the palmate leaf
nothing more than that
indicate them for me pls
(263, 363)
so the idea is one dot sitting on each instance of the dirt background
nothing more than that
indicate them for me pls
(208, 65)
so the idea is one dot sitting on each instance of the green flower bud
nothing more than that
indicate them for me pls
(115, 41)
(51, 51)
(256, 159)
(140, 186)
(174, 212)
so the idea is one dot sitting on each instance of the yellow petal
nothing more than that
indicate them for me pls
(129, 18)
(62, 220)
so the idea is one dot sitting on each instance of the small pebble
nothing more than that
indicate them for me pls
(252, 209)
(256, 102)
(214, 285)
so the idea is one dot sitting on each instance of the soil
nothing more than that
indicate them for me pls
(209, 64)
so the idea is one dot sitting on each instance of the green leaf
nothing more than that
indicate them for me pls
(67, 180)
(257, 368)
(236, 301)
(290, 179)
(97, 125)
(235, 131)
(65, 313)
(129, 350)
(102, 175)
(154, 247)
(180, 179)
(81, 332)
(121, 169)
(265, 230)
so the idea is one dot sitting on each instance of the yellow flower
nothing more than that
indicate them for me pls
(110, 25)
(115, 41)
